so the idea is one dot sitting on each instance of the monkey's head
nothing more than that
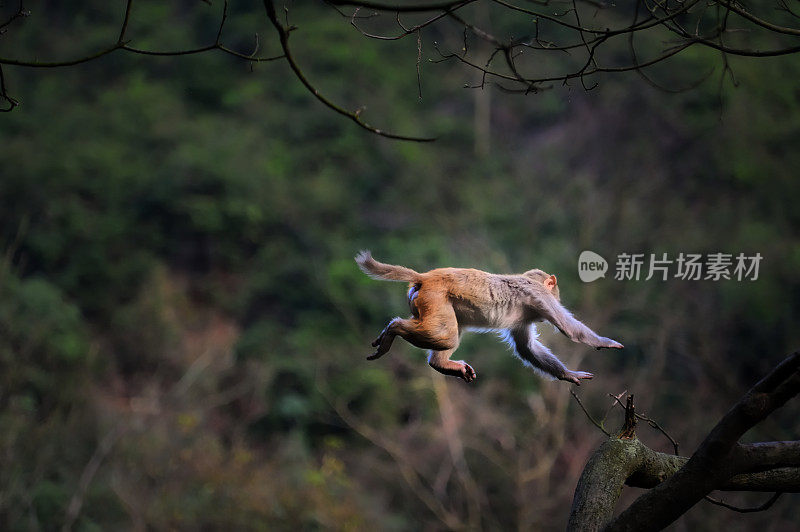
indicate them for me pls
(549, 281)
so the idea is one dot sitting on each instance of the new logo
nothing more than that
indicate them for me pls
(591, 266)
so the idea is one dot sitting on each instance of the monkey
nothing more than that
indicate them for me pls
(446, 302)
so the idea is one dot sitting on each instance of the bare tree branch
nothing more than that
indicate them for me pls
(768, 455)
(718, 458)
(620, 462)
(598, 41)
(676, 483)
(355, 116)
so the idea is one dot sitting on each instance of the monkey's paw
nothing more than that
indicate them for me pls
(609, 343)
(377, 354)
(466, 372)
(576, 376)
(383, 333)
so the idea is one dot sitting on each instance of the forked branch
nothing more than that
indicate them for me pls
(677, 483)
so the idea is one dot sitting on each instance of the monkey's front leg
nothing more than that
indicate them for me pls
(440, 361)
(531, 350)
(573, 329)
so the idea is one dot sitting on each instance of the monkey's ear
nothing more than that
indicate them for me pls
(550, 282)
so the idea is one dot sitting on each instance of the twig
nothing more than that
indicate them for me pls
(396, 8)
(653, 423)
(125, 21)
(89, 472)
(19, 13)
(222, 22)
(419, 60)
(409, 474)
(12, 103)
(592, 419)
(629, 426)
(355, 116)
(766, 506)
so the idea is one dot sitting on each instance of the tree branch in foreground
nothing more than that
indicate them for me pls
(720, 463)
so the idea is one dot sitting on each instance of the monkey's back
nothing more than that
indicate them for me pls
(481, 299)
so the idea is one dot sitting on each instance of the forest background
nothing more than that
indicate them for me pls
(183, 330)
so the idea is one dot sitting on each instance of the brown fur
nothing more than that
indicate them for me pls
(447, 301)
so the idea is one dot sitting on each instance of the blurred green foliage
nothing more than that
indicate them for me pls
(178, 240)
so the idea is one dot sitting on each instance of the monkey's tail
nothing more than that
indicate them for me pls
(387, 272)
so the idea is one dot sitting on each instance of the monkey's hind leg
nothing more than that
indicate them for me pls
(412, 330)
(434, 325)
(384, 340)
(439, 332)
(440, 361)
